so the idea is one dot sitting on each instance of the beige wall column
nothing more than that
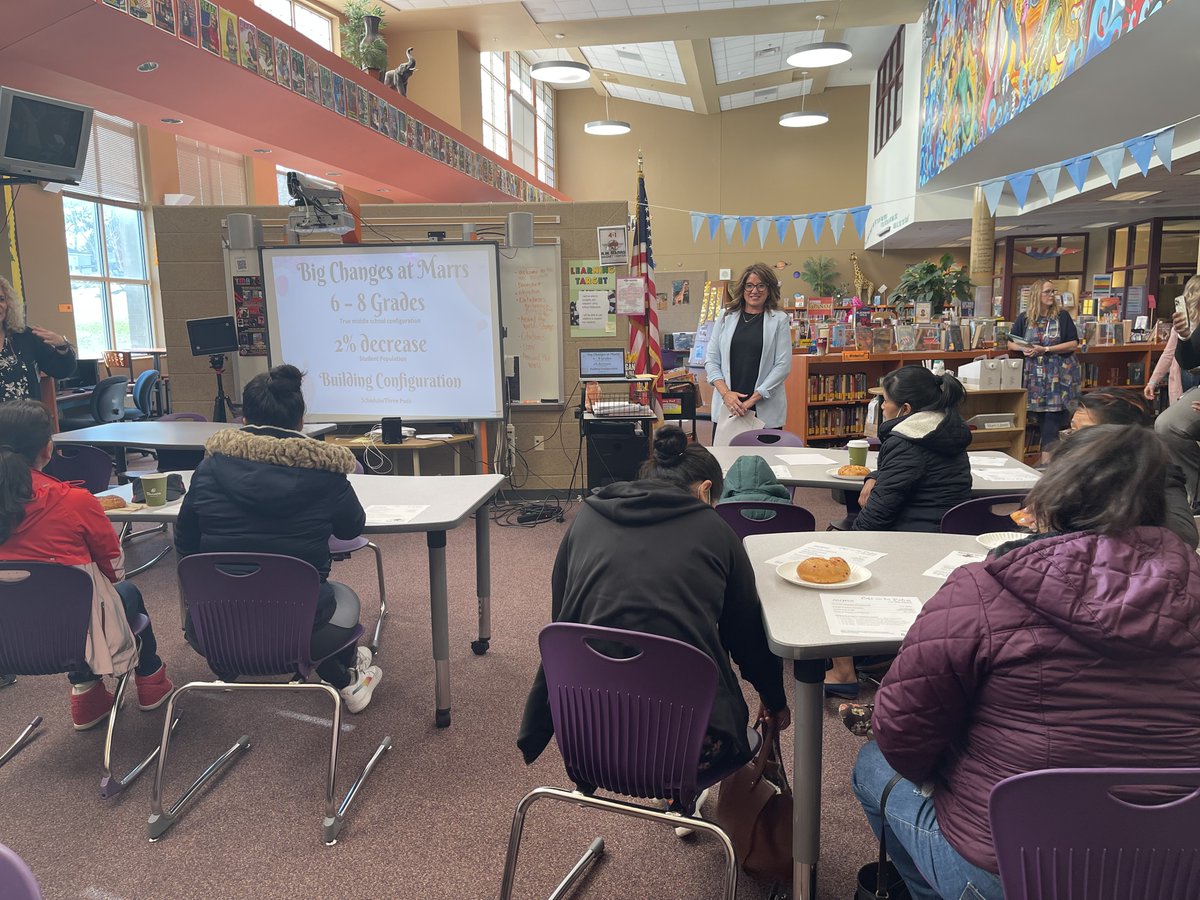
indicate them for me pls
(983, 241)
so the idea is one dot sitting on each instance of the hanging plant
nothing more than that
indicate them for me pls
(938, 284)
(820, 273)
(364, 54)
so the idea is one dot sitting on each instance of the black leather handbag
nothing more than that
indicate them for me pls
(880, 880)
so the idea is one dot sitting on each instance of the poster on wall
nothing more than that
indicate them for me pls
(593, 298)
(612, 245)
(251, 315)
(631, 296)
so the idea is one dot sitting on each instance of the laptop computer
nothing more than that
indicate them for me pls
(601, 364)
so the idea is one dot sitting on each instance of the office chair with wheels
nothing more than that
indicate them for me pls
(108, 404)
(143, 396)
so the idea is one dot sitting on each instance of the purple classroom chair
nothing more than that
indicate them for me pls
(16, 878)
(978, 516)
(340, 550)
(183, 417)
(1060, 834)
(665, 693)
(83, 464)
(45, 614)
(784, 517)
(766, 437)
(253, 615)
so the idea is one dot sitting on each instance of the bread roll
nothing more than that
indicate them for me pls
(110, 501)
(834, 570)
(854, 471)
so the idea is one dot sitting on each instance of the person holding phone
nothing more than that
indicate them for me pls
(1179, 425)
(1051, 375)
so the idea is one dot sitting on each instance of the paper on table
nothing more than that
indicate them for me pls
(952, 561)
(781, 471)
(987, 460)
(393, 515)
(806, 459)
(1007, 475)
(817, 548)
(860, 614)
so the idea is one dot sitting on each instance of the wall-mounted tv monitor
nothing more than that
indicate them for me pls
(43, 138)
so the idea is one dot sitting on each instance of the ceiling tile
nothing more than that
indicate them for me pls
(750, 55)
(653, 60)
(766, 95)
(658, 98)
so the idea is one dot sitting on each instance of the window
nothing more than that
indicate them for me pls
(889, 91)
(215, 177)
(314, 25)
(106, 244)
(518, 114)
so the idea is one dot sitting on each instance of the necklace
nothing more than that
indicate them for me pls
(748, 319)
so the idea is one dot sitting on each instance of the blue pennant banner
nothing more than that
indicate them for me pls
(697, 222)
(859, 216)
(1078, 170)
(1163, 144)
(745, 223)
(730, 223)
(1110, 160)
(1020, 186)
(992, 191)
(714, 223)
(837, 221)
(764, 225)
(799, 223)
(1141, 149)
(818, 225)
(1049, 178)
(781, 227)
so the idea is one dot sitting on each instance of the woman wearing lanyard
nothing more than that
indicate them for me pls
(1051, 378)
(750, 351)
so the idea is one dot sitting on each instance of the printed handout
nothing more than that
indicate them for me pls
(857, 615)
(393, 515)
(806, 459)
(952, 561)
(817, 548)
(1007, 475)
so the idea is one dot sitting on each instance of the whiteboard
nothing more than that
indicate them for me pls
(531, 299)
(408, 330)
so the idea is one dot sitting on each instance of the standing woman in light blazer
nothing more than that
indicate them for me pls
(750, 351)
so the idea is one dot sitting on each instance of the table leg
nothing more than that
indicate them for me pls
(483, 579)
(809, 700)
(439, 617)
(416, 456)
(122, 465)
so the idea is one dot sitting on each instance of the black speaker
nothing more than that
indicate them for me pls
(393, 432)
(615, 452)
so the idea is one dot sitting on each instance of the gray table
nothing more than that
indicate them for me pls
(449, 500)
(817, 475)
(797, 630)
(156, 436)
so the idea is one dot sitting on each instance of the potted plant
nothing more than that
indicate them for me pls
(937, 283)
(820, 273)
(361, 43)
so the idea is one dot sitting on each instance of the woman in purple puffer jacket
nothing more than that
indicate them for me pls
(1077, 647)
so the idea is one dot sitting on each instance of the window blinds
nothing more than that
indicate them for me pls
(113, 170)
(215, 177)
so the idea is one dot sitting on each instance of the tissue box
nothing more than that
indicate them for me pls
(981, 375)
(1010, 373)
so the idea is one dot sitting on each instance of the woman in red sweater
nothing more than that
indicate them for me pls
(45, 520)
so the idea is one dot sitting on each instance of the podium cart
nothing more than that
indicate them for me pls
(616, 422)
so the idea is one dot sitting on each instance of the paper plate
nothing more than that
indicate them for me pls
(858, 574)
(996, 538)
(834, 473)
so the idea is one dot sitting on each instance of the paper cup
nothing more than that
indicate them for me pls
(858, 452)
(154, 489)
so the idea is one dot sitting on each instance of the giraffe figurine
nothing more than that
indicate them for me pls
(862, 285)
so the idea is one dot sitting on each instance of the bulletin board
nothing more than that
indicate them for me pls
(532, 311)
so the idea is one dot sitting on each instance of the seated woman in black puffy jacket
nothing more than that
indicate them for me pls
(923, 469)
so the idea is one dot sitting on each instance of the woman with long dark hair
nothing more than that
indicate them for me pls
(45, 520)
(1073, 648)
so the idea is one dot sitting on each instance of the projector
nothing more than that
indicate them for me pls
(331, 218)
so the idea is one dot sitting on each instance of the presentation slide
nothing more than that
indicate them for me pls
(408, 330)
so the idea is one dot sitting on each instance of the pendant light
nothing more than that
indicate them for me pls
(805, 118)
(608, 126)
(560, 71)
(820, 54)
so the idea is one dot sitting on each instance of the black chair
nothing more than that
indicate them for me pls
(143, 396)
(108, 404)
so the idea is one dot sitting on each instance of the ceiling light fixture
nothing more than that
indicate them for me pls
(608, 126)
(147, 67)
(171, 121)
(332, 174)
(561, 71)
(261, 150)
(820, 54)
(805, 118)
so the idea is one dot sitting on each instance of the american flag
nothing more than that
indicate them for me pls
(1048, 252)
(644, 344)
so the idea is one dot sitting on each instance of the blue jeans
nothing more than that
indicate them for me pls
(930, 867)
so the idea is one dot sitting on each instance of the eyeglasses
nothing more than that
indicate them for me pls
(753, 288)
(1049, 291)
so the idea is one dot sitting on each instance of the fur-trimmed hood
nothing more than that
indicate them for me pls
(280, 447)
(943, 433)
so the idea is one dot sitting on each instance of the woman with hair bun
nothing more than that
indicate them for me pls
(696, 587)
(269, 488)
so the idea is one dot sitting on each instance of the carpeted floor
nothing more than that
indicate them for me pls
(433, 821)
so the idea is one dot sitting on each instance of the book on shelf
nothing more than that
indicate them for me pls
(906, 338)
(819, 307)
(923, 311)
(928, 337)
(982, 331)
(1162, 331)
(881, 339)
(840, 337)
(863, 338)
(1136, 373)
(951, 337)
(1109, 309)
(1108, 334)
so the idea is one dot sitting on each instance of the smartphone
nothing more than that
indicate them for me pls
(1182, 308)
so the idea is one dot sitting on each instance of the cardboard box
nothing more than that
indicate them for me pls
(1011, 371)
(981, 375)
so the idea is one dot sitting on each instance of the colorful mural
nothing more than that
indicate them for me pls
(985, 61)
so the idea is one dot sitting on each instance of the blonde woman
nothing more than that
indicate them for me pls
(1167, 369)
(1051, 378)
(26, 351)
(750, 351)
(1179, 425)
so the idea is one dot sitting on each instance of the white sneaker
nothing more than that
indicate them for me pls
(363, 657)
(357, 694)
(682, 831)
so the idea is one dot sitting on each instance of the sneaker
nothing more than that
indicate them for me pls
(6, 680)
(153, 690)
(363, 657)
(682, 831)
(357, 694)
(91, 707)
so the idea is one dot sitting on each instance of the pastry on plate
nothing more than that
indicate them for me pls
(109, 501)
(854, 471)
(817, 570)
